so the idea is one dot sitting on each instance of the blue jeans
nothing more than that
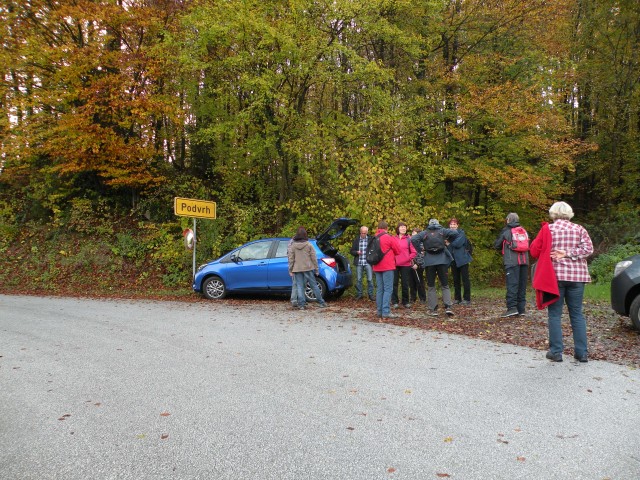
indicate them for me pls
(360, 270)
(571, 293)
(302, 278)
(294, 290)
(384, 282)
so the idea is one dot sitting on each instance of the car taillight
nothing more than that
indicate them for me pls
(331, 262)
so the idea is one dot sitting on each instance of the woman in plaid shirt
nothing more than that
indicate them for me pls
(570, 247)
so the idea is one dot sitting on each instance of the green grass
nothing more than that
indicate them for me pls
(593, 292)
(600, 292)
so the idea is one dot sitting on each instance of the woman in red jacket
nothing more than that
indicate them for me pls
(385, 270)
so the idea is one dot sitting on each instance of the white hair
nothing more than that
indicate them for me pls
(561, 210)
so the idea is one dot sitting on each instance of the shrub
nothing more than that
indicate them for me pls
(601, 269)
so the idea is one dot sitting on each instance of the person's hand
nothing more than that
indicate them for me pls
(558, 254)
(414, 266)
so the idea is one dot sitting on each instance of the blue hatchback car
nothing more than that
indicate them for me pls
(262, 266)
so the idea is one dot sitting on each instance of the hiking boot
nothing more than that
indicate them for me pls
(323, 305)
(372, 298)
(395, 305)
(407, 305)
(581, 358)
(391, 315)
(554, 357)
(512, 312)
(457, 302)
(448, 311)
(465, 302)
(432, 313)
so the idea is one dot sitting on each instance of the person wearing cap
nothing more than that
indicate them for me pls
(436, 261)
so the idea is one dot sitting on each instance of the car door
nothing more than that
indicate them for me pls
(279, 278)
(250, 267)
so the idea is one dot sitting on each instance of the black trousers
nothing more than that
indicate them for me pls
(517, 287)
(416, 285)
(461, 282)
(401, 274)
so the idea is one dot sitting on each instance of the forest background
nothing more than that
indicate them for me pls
(297, 112)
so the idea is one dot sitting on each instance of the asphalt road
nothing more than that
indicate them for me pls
(106, 389)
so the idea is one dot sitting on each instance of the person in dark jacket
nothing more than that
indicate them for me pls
(416, 278)
(460, 265)
(359, 252)
(436, 262)
(516, 265)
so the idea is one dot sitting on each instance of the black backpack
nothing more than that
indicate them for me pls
(434, 241)
(374, 251)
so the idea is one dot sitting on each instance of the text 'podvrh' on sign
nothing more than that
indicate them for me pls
(188, 207)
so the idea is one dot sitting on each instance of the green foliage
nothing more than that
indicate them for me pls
(601, 269)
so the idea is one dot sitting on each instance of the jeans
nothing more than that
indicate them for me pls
(442, 271)
(517, 287)
(294, 290)
(401, 274)
(384, 282)
(571, 293)
(461, 279)
(302, 278)
(360, 270)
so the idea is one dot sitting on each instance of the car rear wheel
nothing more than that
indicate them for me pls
(634, 312)
(214, 288)
(308, 292)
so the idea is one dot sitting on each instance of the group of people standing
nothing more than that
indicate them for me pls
(408, 259)
(558, 277)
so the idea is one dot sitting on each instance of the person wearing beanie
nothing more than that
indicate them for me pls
(436, 261)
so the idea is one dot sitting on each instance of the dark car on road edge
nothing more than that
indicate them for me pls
(625, 289)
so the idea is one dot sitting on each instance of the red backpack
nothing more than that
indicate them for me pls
(519, 240)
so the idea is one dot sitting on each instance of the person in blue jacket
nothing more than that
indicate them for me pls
(459, 249)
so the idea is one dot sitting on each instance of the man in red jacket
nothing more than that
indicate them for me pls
(385, 270)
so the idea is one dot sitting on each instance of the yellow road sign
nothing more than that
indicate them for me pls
(188, 207)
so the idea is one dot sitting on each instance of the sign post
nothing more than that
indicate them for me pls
(189, 207)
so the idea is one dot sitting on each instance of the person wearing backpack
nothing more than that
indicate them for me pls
(513, 242)
(403, 266)
(384, 268)
(436, 262)
(460, 251)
